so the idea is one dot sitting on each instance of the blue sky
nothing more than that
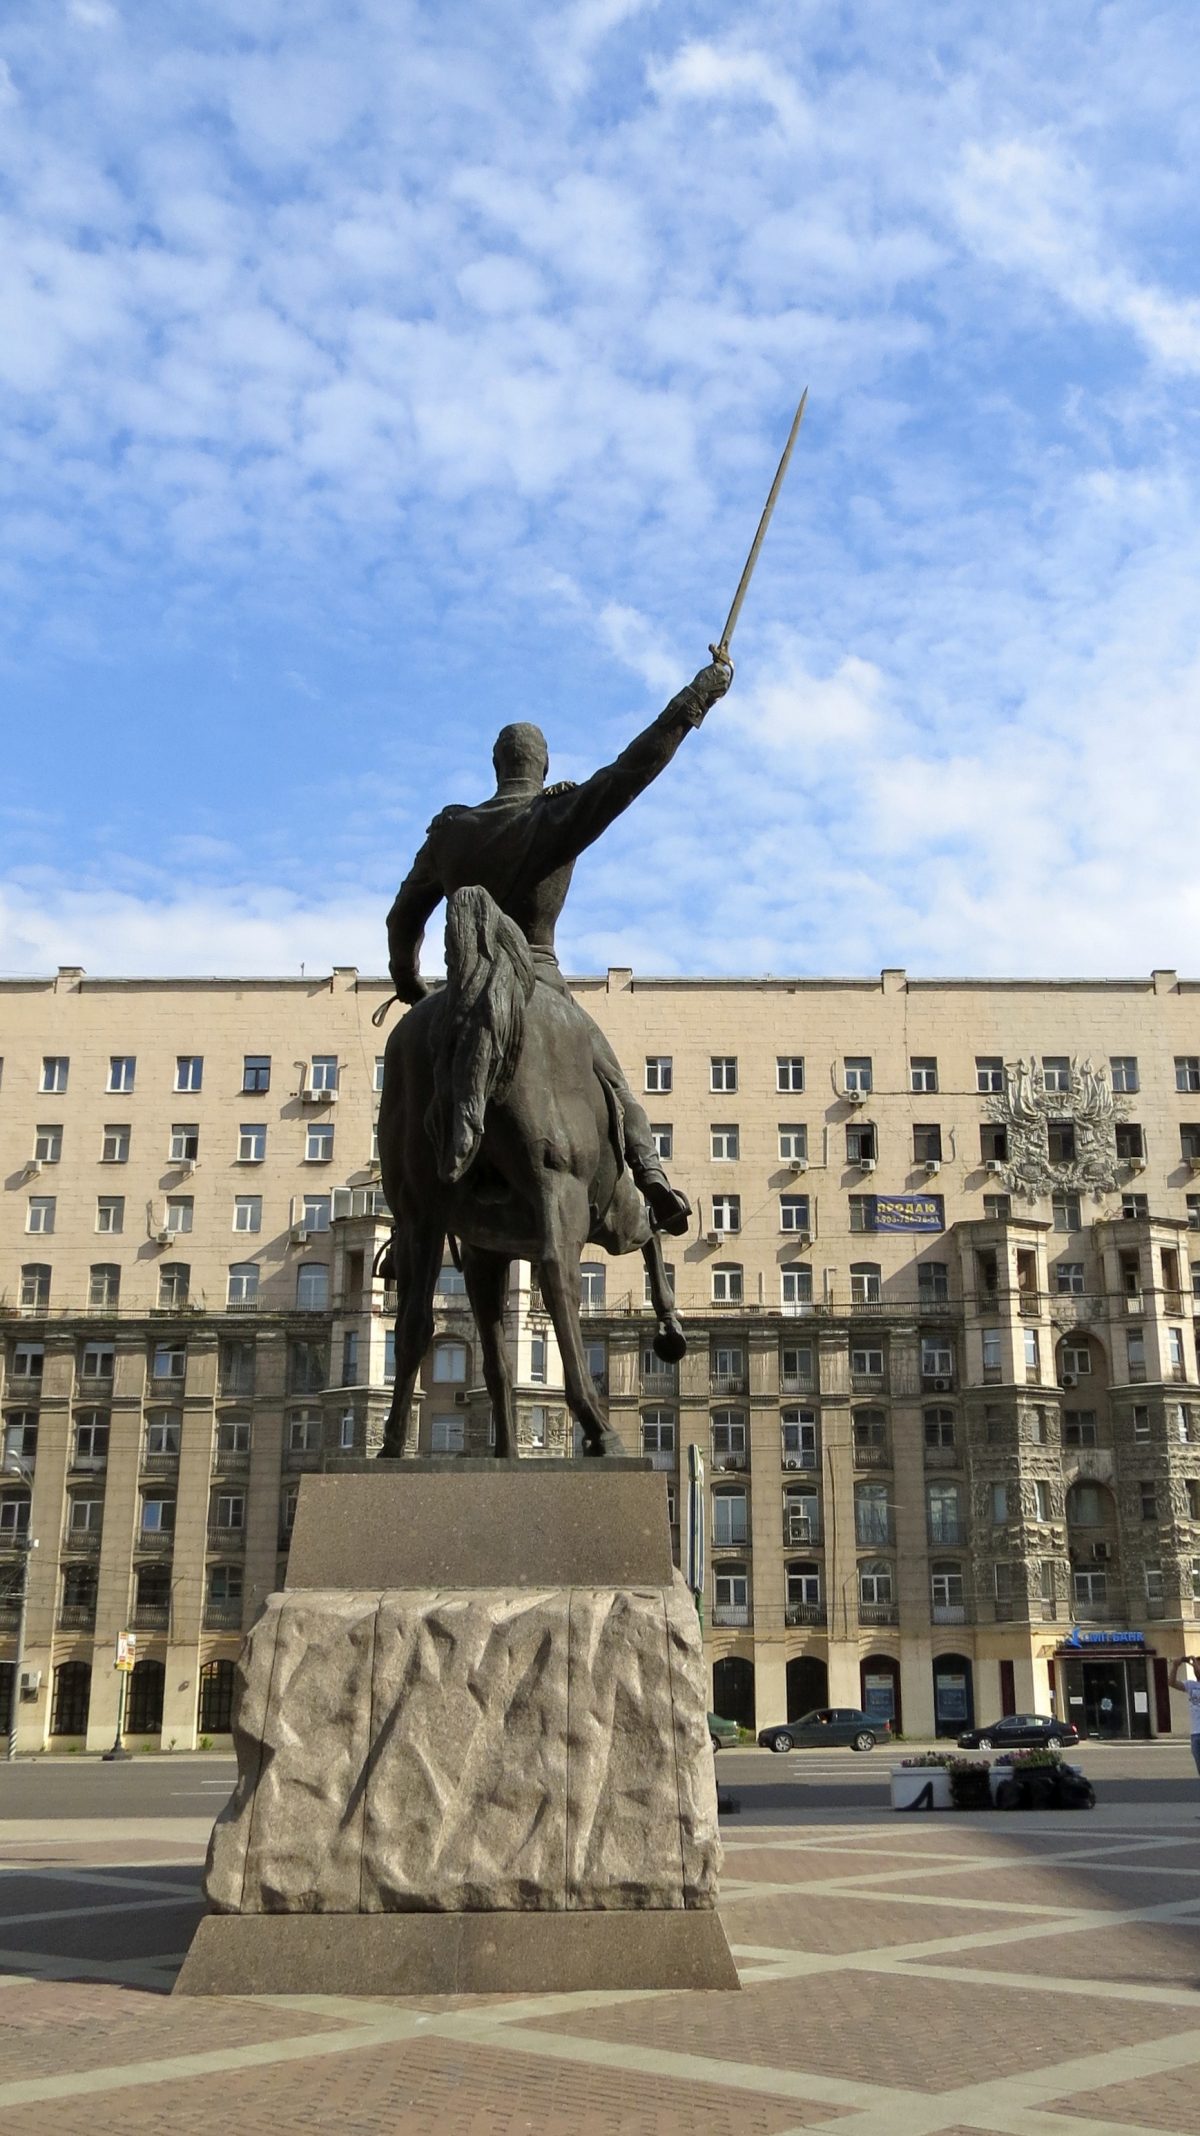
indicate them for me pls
(374, 374)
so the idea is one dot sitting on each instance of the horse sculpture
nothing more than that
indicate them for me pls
(495, 1130)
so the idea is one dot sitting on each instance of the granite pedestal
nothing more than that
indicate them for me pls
(473, 1748)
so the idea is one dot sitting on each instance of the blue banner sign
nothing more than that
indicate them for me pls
(1076, 1638)
(909, 1212)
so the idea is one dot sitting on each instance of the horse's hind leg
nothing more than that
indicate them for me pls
(486, 1278)
(417, 1255)
(565, 1218)
(670, 1343)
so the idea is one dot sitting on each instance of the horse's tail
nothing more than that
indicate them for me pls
(489, 979)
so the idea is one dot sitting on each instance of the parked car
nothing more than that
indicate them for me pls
(825, 1726)
(723, 1734)
(1020, 1731)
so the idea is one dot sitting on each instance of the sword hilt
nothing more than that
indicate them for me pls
(722, 655)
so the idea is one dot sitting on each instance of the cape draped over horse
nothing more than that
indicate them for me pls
(496, 1129)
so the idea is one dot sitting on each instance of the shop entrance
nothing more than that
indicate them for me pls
(1105, 1703)
(1108, 1695)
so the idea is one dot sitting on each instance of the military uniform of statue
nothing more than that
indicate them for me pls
(522, 846)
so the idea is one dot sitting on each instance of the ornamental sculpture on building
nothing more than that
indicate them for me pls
(1029, 1112)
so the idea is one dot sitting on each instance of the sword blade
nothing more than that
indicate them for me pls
(748, 573)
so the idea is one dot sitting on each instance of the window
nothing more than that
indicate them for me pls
(866, 1363)
(1175, 1357)
(993, 1144)
(861, 1146)
(97, 1361)
(861, 1209)
(1123, 1069)
(1040, 1426)
(1068, 1277)
(256, 1072)
(446, 1435)
(450, 1363)
(724, 1144)
(35, 1286)
(870, 1430)
(104, 1286)
(169, 1361)
(856, 1070)
(28, 1360)
(729, 1518)
(795, 1282)
(729, 1436)
(318, 1142)
(796, 1367)
(933, 1282)
(47, 1145)
(189, 1071)
(731, 1594)
(323, 1072)
(663, 1139)
(179, 1213)
(1189, 1142)
(72, 1697)
(998, 1207)
(927, 1144)
(225, 1585)
(1056, 1072)
(55, 1070)
(865, 1280)
(946, 1587)
(14, 1514)
(110, 1213)
(1066, 1212)
(591, 1285)
(378, 1082)
(1130, 1142)
(247, 1212)
(658, 1431)
(659, 1071)
(185, 1142)
(349, 1376)
(1148, 1499)
(789, 1071)
(1187, 1072)
(803, 1586)
(538, 1348)
(312, 1287)
(243, 1283)
(1043, 1507)
(229, 1509)
(944, 1511)
(158, 1516)
(937, 1359)
(1091, 1590)
(316, 1212)
(999, 1501)
(1060, 1136)
(114, 1145)
(162, 1435)
(989, 1073)
(122, 1068)
(1135, 1354)
(1032, 1354)
(798, 1436)
(793, 1143)
(723, 1072)
(1141, 1422)
(451, 1283)
(727, 1212)
(939, 1427)
(727, 1283)
(39, 1217)
(21, 1434)
(91, 1438)
(1135, 1205)
(872, 1513)
(1075, 1361)
(252, 1142)
(793, 1212)
(923, 1073)
(875, 1583)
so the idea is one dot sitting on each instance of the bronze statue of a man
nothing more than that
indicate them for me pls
(522, 846)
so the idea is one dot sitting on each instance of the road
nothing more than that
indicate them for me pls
(770, 1788)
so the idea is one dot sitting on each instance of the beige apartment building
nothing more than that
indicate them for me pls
(942, 1370)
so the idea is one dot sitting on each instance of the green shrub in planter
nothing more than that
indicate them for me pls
(970, 1785)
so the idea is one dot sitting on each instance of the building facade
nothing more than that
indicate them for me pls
(942, 1367)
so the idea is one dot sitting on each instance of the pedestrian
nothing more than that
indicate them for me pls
(1190, 1686)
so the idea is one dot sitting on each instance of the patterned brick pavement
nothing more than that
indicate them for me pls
(962, 1977)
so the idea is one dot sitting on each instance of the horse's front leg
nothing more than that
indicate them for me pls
(416, 1259)
(565, 1230)
(486, 1277)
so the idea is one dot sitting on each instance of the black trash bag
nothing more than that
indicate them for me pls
(1075, 1790)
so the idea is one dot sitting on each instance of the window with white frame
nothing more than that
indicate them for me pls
(318, 1142)
(158, 1515)
(247, 1212)
(862, 1146)
(47, 1145)
(1066, 1212)
(446, 1435)
(933, 1282)
(658, 1431)
(857, 1072)
(346, 1429)
(1187, 1071)
(727, 1283)
(789, 1071)
(723, 1072)
(1080, 1427)
(944, 1512)
(39, 1216)
(729, 1518)
(592, 1278)
(185, 1142)
(378, 1084)
(538, 1353)
(35, 1286)
(537, 1423)
(796, 1367)
(180, 1210)
(728, 1435)
(872, 1513)
(97, 1361)
(189, 1071)
(875, 1583)
(304, 1431)
(724, 1144)
(14, 1514)
(243, 1283)
(1175, 1358)
(866, 1278)
(174, 1283)
(939, 1427)
(110, 1213)
(114, 1144)
(989, 1073)
(794, 1212)
(256, 1072)
(861, 1211)
(997, 1207)
(1134, 1205)
(450, 1363)
(728, 1362)
(866, 1362)
(323, 1072)
(796, 1287)
(731, 1593)
(312, 1287)
(999, 1497)
(793, 1142)
(91, 1438)
(662, 1135)
(1123, 1069)
(1068, 1277)
(85, 1516)
(225, 1586)
(946, 1585)
(659, 1071)
(317, 1209)
(1032, 1353)
(229, 1509)
(252, 1142)
(55, 1070)
(1043, 1499)
(1075, 1359)
(169, 1361)
(922, 1072)
(803, 1585)
(1135, 1354)
(798, 1437)
(21, 1434)
(727, 1212)
(122, 1070)
(29, 1359)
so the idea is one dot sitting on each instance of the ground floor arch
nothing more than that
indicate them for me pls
(144, 1698)
(215, 1713)
(953, 1694)
(733, 1689)
(879, 1676)
(807, 1684)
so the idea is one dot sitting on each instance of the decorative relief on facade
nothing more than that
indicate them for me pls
(1025, 1108)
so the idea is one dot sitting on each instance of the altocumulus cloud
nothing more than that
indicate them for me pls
(370, 377)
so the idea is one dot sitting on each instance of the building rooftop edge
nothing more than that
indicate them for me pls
(72, 979)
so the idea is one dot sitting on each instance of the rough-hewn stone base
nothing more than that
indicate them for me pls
(455, 1954)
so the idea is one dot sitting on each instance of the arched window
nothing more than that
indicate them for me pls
(872, 1513)
(79, 1589)
(729, 1438)
(947, 1592)
(727, 1282)
(939, 1427)
(243, 1283)
(803, 1591)
(875, 1583)
(591, 1286)
(870, 1432)
(312, 1286)
(729, 1518)
(801, 1515)
(731, 1594)
(104, 1286)
(174, 1283)
(865, 1277)
(945, 1513)
(215, 1713)
(144, 1697)
(1089, 1505)
(798, 1428)
(658, 1436)
(795, 1284)
(35, 1287)
(450, 1363)
(71, 1699)
(153, 1588)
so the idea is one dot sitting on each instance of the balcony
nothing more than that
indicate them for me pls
(660, 1385)
(737, 1459)
(804, 1613)
(875, 1534)
(798, 1457)
(94, 1387)
(948, 1535)
(160, 1464)
(228, 1460)
(872, 1457)
(661, 1458)
(736, 1614)
(222, 1616)
(867, 1382)
(801, 1531)
(302, 1457)
(941, 1457)
(948, 1613)
(878, 1613)
(76, 1617)
(727, 1382)
(155, 1542)
(151, 1616)
(796, 1383)
(226, 1538)
(10, 1615)
(81, 1542)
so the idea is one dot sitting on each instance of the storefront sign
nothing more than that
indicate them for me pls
(879, 1697)
(909, 1212)
(950, 1697)
(1076, 1639)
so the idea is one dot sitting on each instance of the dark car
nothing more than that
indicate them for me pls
(827, 1725)
(1020, 1731)
(723, 1735)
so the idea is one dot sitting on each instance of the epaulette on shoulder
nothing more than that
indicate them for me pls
(562, 786)
(444, 815)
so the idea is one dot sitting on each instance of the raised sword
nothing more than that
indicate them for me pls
(720, 651)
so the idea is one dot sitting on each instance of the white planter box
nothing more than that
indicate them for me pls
(920, 1787)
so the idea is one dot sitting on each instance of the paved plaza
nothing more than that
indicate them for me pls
(1035, 1976)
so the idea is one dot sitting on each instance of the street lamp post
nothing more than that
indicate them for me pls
(15, 1466)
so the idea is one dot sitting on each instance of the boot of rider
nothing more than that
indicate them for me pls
(670, 1209)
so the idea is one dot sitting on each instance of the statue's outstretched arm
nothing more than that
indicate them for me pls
(573, 820)
(415, 901)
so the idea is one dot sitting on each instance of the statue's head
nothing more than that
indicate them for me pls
(520, 755)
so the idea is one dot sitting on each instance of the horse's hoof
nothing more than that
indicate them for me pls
(670, 1343)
